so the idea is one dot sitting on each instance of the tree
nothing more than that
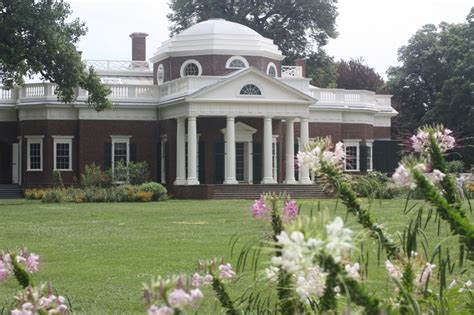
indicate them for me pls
(321, 68)
(356, 75)
(36, 39)
(294, 24)
(435, 81)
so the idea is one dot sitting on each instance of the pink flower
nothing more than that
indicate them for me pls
(290, 211)
(425, 275)
(436, 176)
(207, 279)
(226, 272)
(164, 310)
(196, 295)
(393, 270)
(5, 271)
(179, 298)
(420, 141)
(32, 263)
(259, 210)
(445, 140)
(196, 280)
(402, 177)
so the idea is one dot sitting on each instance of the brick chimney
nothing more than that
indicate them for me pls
(301, 63)
(138, 46)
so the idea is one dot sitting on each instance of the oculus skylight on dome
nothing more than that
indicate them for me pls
(251, 90)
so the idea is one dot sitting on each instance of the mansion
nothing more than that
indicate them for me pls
(213, 106)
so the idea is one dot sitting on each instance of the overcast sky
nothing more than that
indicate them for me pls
(373, 29)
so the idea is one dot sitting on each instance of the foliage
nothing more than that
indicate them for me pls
(356, 75)
(158, 191)
(35, 194)
(138, 173)
(321, 68)
(36, 38)
(55, 196)
(374, 185)
(294, 25)
(57, 179)
(93, 176)
(455, 166)
(434, 82)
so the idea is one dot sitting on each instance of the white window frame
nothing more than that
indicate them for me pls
(229, 61)
(160, 68)
(120, 139)
(62, 140)
(370, 144)
(34, 140)
(352, 143)
(187, 62)
(272, 65)
(262, 92)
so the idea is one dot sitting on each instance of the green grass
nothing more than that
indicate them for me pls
(99, 255)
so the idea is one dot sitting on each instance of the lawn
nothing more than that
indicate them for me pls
(99, 255)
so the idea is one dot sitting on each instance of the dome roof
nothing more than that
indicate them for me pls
(218, 37)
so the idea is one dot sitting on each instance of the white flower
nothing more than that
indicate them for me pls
(402, 177)
(339, 239)
(424, 276)
(272, 273)
(452, 284)
(196, 280)
(353, 271)
(164, 310)
(393, 270)
(466, 286)
(179, 298)
(310, 284)
(435, 177)
(196, 295)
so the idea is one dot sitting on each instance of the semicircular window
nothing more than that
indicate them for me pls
(237, 64)
(191, 69)
(250, 89)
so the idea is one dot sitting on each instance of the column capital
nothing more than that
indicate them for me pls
(230, 117)
(192, 118)
(304, 119)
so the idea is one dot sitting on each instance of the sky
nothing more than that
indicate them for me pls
(372, 29)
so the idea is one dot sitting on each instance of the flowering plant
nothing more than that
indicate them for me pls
(19, 264)
(39, 300)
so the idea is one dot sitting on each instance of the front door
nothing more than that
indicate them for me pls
(15, 163)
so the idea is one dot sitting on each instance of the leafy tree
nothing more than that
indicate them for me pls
(356, 75)
(321, 68)
(294, 24)
(435, 82)
(35, 38)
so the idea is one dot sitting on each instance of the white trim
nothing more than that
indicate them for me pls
(275, 157)
(163, 145)
(34, 140)
(187, 62)
(370, 144)
(229, 61)
(162, 68)
(352, 143)
(271, 64)
(62, 140)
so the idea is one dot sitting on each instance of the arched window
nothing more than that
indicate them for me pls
(191, 68)
(272, 70)
(250, 89)
(237, 62)
(160, 74)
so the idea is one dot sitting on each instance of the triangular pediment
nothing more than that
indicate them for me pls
(272, 90)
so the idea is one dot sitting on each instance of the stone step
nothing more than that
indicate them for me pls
(10, 192)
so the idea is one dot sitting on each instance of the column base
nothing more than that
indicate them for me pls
(192, 181)
(231, 181)
(306, 181)
(268, 180)
(180, 181)
(290, 182)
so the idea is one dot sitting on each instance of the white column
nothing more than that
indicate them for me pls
(192, 152)
(180, 153)
(304, 140)
(290, 152)
(267, 152)
(230, 152)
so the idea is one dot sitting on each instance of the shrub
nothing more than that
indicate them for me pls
(144, 196)
(93, 176)
(57, 179)
(124, 193)
(138, 173)
(158, 190)
(55, 196)
(455, 167)
(35, 194)
(375, 184)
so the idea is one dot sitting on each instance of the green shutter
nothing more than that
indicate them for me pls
(107, 156)
(219, 162)
(133, 152)
(363, 158)
(386, 155)
(257, 163)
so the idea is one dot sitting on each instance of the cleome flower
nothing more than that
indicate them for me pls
(403, 176)
(261, 211)
(29, 261)
(321, 151)
(443, 137)
(39, 300)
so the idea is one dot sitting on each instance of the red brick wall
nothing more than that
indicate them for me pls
(213, 65)
(382, 133)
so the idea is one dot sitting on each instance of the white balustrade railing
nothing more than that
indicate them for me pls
(137, 92)
(119, 65)
(291, 71)
(349, 97)
(5, 95)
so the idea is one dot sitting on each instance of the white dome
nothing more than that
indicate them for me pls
(218, 37)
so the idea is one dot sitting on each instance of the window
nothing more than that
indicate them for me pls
(35, 153)
(272, 70)
(120, 150)
(370, 165)
(191, 68)
(63, 153)
(275, 149)
(250, 89)
(237, 62)
(160, 74)
(352, 155)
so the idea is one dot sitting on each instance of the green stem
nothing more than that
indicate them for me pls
(20, 274)
(223, 296)
(349, 199)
